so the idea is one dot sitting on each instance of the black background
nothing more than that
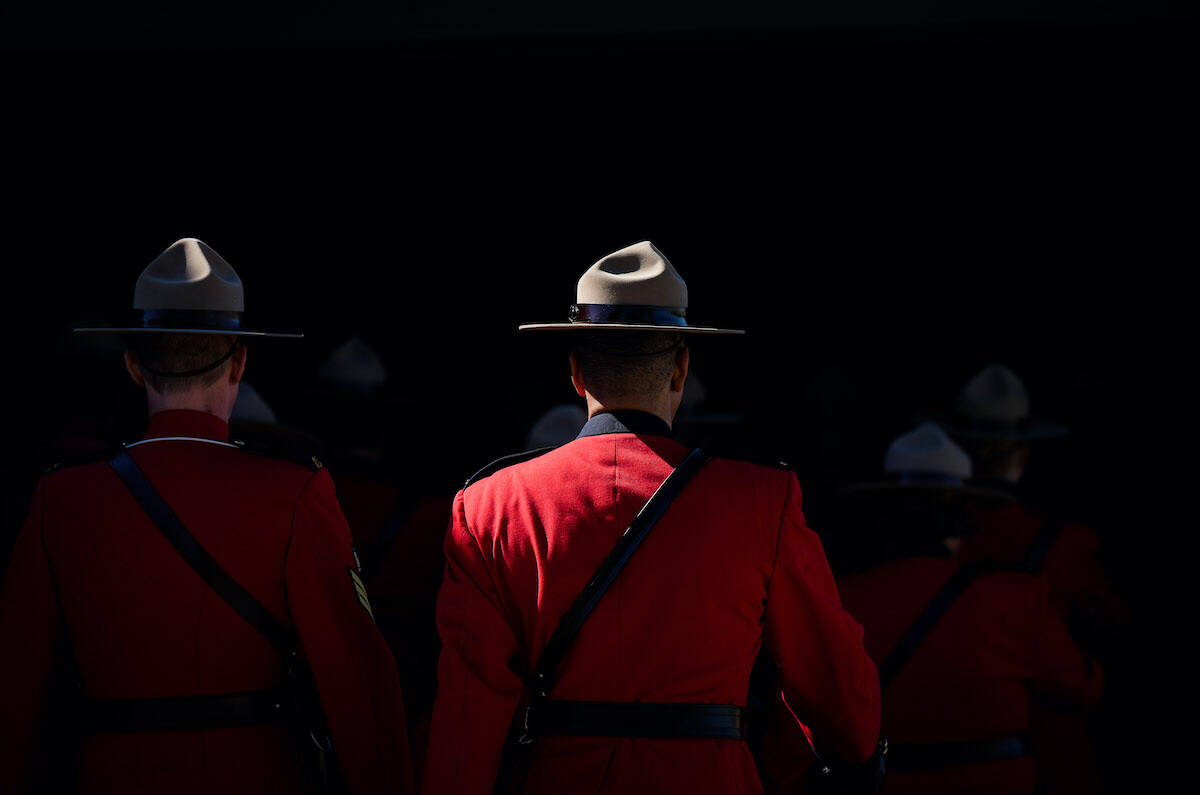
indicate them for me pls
(886, 198)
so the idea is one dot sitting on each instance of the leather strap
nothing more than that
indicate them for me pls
(926, 621)
(607, 719)
(1040, 548)
(237, 597)
(545, 673)
(192, 712)
(915, 756)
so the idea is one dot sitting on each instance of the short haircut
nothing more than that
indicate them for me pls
(182, 353)
(626, 363)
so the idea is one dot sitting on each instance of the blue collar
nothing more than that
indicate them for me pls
(626, 421)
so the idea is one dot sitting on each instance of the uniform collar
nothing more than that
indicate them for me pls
(187, 422)
(641, 423)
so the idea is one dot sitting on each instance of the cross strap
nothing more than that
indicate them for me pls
(237, 597)
(545, 673)
(899, 656)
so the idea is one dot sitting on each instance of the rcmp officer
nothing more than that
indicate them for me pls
(961, 648)
(993, 421)
(206, 594)
(646, 692)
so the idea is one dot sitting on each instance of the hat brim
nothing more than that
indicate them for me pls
(214, 332)
(626, 327)
(893, 487)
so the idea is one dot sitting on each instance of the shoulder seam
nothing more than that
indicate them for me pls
(505, 462)
(310, 462)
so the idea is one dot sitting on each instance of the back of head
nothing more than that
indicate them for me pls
(620, 365)
(175, 363)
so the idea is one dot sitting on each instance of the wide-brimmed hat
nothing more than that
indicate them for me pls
(926, 458)
(634, 289)
(994, 404)
(188, 289)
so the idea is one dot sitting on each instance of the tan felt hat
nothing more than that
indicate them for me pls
(994, 404)
(634, 289)
(188, 289)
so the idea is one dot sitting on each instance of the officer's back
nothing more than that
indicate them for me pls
(729, 567)
(190, 583)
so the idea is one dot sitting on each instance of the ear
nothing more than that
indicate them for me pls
(237, 364)
(679, 376)
(576, 375)
(131, 367)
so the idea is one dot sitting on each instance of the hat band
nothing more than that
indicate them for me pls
(168, 319)
(631, 314)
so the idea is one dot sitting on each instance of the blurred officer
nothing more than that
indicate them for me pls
(197, 587)
(992, 420)
(960, 648)
(648, 695)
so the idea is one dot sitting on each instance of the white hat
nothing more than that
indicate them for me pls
(354, 367)
(188, 289)
(926, 458)
(633, 289)
(251, 407)
(557, 426)
(994, 404)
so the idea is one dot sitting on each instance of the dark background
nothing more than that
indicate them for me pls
(887, 196)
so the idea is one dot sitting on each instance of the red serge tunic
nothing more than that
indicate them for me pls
(92, 575)
(970, 680)
(730, 566)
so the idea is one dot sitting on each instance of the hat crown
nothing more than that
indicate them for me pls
(927, 450)
(189, 275)
(354, 366)
(559, 425)
(637, 275)
(995, 394)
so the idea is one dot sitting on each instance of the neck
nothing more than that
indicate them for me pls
(660, 406)
(218, 402)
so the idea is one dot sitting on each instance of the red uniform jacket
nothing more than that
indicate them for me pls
(971, 678)
(1079, 588)
(92, 575)
(730, 566)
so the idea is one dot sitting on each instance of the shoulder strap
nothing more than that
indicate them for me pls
(1041, 546)
(564, 634)
(926, 621)
(204, 565)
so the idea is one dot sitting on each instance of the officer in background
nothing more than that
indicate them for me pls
(197, 588)
(994, 424)
(649, 695)
(993, 421)
(962, 649)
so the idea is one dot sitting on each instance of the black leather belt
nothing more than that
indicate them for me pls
(610, 719)
(191, 712)
(914, 756)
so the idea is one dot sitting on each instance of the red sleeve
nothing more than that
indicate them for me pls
(354, 669)
(478, 690)
(31, 639)
(827, 678)
(1060, 670)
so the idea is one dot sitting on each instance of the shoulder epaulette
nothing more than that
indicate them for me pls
(81, 458)
(295, 456)
(506, 461)
(774, 463)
